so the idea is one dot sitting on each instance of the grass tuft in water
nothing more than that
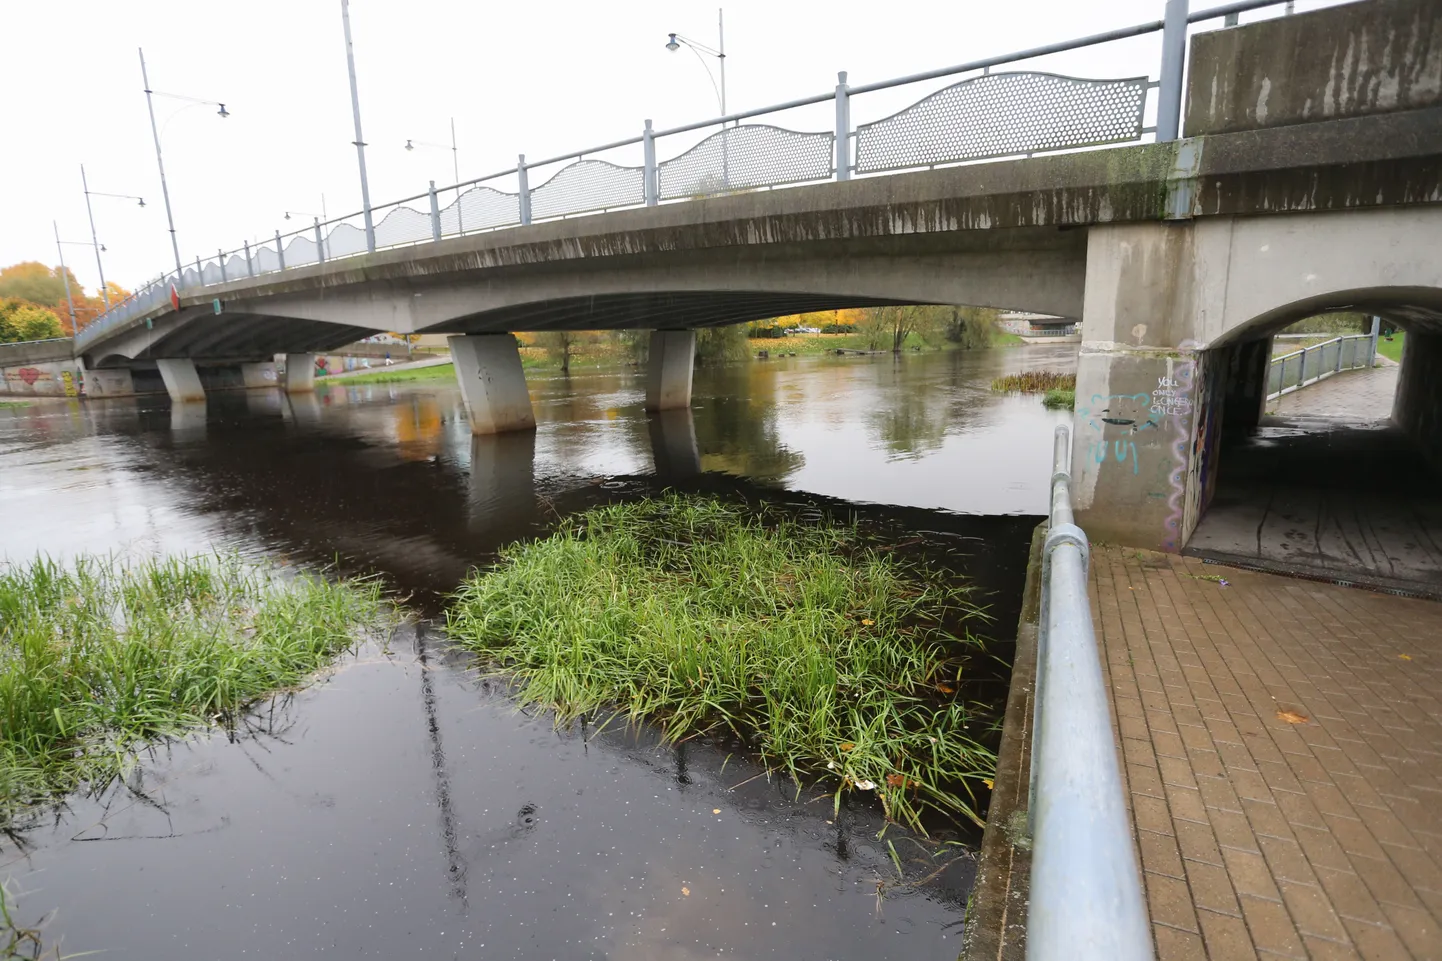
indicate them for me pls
(98, 657)
(826, 654)
(1034, 382)
(1058, 399)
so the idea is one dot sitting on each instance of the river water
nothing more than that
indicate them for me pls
(401, 806)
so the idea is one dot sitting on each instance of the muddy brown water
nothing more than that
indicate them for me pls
(401, 806)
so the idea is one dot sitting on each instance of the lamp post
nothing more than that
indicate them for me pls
(65, 273)
(455, 166)
(159, 160)
(94, 241)
(360, 144)
(675, 43)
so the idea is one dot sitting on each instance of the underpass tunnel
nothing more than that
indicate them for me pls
(1313, 455)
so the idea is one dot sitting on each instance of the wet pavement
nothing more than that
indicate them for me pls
(402, 806)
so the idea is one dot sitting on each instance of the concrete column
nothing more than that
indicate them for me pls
(502, 500)
(299, 373)
(181, 380)
(488, 367)
(668, 369)
(1138, 382)
(673, 444)
(260, 374)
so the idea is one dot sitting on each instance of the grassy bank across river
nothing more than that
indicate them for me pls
(99, 657)
(829, 655)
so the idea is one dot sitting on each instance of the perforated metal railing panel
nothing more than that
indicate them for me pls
(402, 225)
(1000, 115)
(344, 240)
(480, 208)
(588, 185)
(756, 155)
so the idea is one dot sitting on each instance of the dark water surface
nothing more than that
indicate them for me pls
(401, 807)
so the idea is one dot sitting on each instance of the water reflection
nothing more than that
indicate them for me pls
(404, 808)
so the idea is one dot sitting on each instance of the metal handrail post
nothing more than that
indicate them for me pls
(319, 243)
(249, 268)
(1086, 898)
(220, 259)
(843, 127)
(1376, 330)
(1174, 55)
(651, 186)
(279, 250)
(436, 213)
(524, 193)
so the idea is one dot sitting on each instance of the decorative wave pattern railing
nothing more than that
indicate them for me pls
(983, 116)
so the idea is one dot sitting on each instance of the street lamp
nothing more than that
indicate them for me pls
(411, 145)
(159, 161)
(675, 43)
(719, 52)
(94, 242)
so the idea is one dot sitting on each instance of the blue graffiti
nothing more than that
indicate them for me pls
(1120, 451)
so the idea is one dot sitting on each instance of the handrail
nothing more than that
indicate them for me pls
(230, 264)
(1277, 368)
(1086, 900)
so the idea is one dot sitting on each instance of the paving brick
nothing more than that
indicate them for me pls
(1261, 838)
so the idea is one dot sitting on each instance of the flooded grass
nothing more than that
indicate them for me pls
(98, 657)
(1059, 399)
(831, 656)
(1034, 382)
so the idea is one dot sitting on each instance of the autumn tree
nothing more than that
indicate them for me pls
(21, 321)
(33, 281)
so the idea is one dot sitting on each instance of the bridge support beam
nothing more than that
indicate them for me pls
(1139, 387)
(182, 381)
(299, 373)
(488, 368)
(668, 369)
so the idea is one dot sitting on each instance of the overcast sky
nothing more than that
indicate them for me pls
(540, 78)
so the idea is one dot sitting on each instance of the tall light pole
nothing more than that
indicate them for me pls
(455, 166)
(719, 52)
(65, 275)
(159, 160)
(360, 144)
(94, 240)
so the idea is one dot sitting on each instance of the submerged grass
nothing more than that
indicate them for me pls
(98, 657)
(1034, 382)
(826, 654)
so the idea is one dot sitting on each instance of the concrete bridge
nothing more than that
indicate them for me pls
(1309, 178)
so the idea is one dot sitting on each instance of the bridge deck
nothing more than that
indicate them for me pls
(1264, 835)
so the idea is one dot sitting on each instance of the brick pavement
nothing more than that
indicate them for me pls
(1357, 395)
(1262, 838)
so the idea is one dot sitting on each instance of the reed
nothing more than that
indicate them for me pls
(1034, 382)
(830, 656)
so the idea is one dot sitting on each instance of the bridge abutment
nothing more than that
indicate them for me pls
(258, 375)
(299, 373)
(182, 381)
(669, 364)
(488, 368)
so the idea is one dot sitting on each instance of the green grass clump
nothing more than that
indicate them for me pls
(825, 654)
(99, 657)
(13, 405)
(1392, 349)
(1059, 399)
(1034, 382)
(383, 375)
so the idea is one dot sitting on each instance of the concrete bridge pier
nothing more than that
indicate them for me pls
(673, 444)
(299, 373)
(670, 360)
(182, 381)
(488, 367)
(258, 375)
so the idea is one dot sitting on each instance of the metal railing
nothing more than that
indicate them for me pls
(956, 124)
(1300, 368)
(1086, 899)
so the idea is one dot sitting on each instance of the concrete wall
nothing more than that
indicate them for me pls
(1377, 56)
(54, 379)
(1418, 406)
(35, 352)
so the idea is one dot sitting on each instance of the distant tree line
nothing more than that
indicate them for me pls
(33, 305)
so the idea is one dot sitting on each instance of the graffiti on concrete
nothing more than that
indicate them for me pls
(1176, 389)
(1170, 398)
(1113, 420)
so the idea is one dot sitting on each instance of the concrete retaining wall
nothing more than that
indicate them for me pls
(1378, 56)
(36, 352)
(54, 379)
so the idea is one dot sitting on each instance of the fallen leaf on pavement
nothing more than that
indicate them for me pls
(685, 892)
(1292, 717)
